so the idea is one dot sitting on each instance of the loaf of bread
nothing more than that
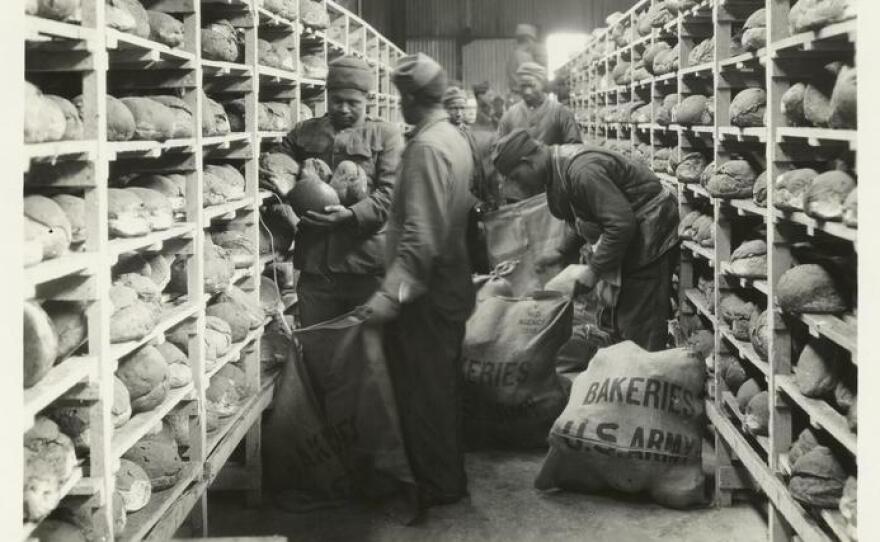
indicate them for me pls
(759, 334)
(240, 246)
(74, 208)
(750, 260)
(145, 375)
(705, 231)
(153, 120)
(284, 8)
(691, 166)
(817, 478)
(305, 112)
(695, 109)
(40, 343)
(749, 108)
(173, 190)
(159, 458)
(246, 303)
(44, 120)
(165, 29)
(844, 100)
(179, 372)
(49, 460)
(267, 55)
(118, 18)
(805, 442)
(651, 53)
(739, 314)
(74, 128)
(757, 414)
(274, 117)
(793, 105)
(58, 10)
(120, 120)
(220, 42)
(278, 172)
(759, 190)
(138, 13)
(46, 224)
(817, 370)
(666, 60)
(809, 288)
(702, 53)
(70, 325)
(791, 189)
(754, 35)
(746, 391)
(826, 195)
(120, 412)
(231, 176)
(182, 127)
(235, 112)
(215, 121)
(132, 319)
(817, 95)
(133, 485)
(314, 14)
(849, 507)
(73, 421)
(686, 228)
(734, 179)
(146, 290)
(158, 208)
(238, 320)
(127, 214)
(814, 14)
(223, 398)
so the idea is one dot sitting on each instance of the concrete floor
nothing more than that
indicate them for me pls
(502, 507)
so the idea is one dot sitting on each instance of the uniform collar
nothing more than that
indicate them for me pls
(429, 120)
(359, 124)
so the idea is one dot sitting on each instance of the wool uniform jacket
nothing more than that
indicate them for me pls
(427, 253)
(550, 123)
(375, 146)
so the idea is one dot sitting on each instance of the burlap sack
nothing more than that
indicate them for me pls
(512, 393)
(633, 424)
(523, 231)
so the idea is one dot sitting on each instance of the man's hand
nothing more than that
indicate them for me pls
(381, 309)
(333, 217)
(547, 260)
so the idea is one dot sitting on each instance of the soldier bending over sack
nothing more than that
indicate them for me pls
(637, 219)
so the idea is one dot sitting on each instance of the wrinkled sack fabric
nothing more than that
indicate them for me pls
(523, 231)
(633, 424)
(348, 442)
(512, 392)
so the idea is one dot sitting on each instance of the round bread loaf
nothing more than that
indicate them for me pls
(40, 343)
(844, 100)
(183, 115)
(73, 123)
(174, 191)
(120, 412)
(809, 288)
(793, 105)
(817, 370)
(70, 325)
(145, 374)
(702, 53)
(744, 394)
(826, 195)
(73, 421)
(215, 121)
(791, 189)
(160, 214)
(159, 458)
(278, 172)
(44, 120)
(133, 485)
(734, 179)
(759, 335)
(817, 478)
(137, 11)
(165, 29)
(220, 42)
(127, 214)
(755, 31)
(757, 414)
(693, 110)
(750, 259)
(49, 461)
(74, 208)
(46, 223)
(749, 108)
(153, 120)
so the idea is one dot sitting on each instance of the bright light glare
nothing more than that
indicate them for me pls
(561, 47)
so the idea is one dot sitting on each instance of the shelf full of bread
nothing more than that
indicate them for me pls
(751, 120)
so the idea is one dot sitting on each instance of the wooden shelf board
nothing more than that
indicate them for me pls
(219, 68)
(266, 259)
(277, 76)
(140, 523)
(700, 70)
(739, 61)
(335, 44)
(149, 148)
(757, 133)
(703, 252)
(745, 350)
(841, 332)
(77, 475)
(695, 188)
(750, 283)
(41, 29)
(224, 141)
(140, 424)
(272, 19)
(224, 441)
(817, 137)
(666, 78)
(730, 402)
(821, 414)
(809, 40)
(216, 211)
(122, 245)
(169, 319)
(235, 352)
(49, 270)
(58, 381)
(272, 136)
(698, 300)
(122, 42)
(84, 149)
(837, 523)
(308, 82)
(771, 485)
(746, 207)
(835, 229)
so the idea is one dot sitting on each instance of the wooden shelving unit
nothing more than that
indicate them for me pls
(775, 147)
(116, 63)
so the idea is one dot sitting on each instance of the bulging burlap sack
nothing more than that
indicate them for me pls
(632, 424)
(512, 392)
